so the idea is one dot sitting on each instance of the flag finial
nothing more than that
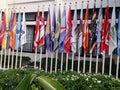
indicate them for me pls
(82, 1)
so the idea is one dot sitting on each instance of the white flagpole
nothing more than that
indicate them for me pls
(96, 71)
(110, 67)
(56, 61)
(1, 58)
(12, 59)
(16, 60)
(35, 58)
(84, 63)
(61, 61)
(46, 61)
(78, 61)
(20, 63)
(103, 65)
(4, 60)
(51, 62)
(40, 58)
(117, 69)
(66, 61)
(90, 65)
(8, 58)
(72, 61)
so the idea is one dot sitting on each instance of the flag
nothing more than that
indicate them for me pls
(37, 28)
(23, 30)
(47, 33)
(113, 33)
(62, 34)
(98, 29)
(13, 32)
(3, 28)
(74, 32)
(10, 22)
(105, 32)
(0, 20)
(57, 32)
(92, 29)
(118, 36)
(53, 29)
(85, 31)
(4, 41)
(41, 40)
(18, 31)
(80, 28)
(68, 31)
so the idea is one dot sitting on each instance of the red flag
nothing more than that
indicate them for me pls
(2, 31)
(85, 32)
(105, 32)
(68, 31)
(37, 28)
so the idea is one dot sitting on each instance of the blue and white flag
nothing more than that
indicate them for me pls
(118, 36)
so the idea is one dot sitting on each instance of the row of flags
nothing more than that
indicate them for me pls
(65, 34)
(12, 30)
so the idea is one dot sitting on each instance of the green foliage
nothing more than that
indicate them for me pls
(9, 79)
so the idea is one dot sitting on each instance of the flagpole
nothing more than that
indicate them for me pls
(20, 63)
(51, 62)
(4, 60)
(12, 59)
(56, 61)
(46, 61)
(61, 61)
(117, 69)
(84, 63)
(103, 65)
(1, 58)
(8, 58)
(40, 58)
(96, 64)
(72, 61)
(110, 67)
(90, 64)
(16, 60)
(66, 61)
(35, 58)
(78, 61)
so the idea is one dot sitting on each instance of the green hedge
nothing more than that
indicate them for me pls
(9, 79)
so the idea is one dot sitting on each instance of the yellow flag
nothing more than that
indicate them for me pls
(4, 43)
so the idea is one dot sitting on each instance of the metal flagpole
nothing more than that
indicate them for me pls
(12, 59)
(4, 60)
(1, 58)
(35, 58)
(117, 69)
(72, 61)
(103, 65)
(51, 62)
(110, 66)
(46, 61)
(96, 71)
(20, 63)
(78, 61)
(16, 60)
(56, 60)
(90, 64)
(8, 58)
(66, 61)
(40, 58)
(61, 62)
(84, 63)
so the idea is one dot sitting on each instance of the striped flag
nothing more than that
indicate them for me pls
(80, 28)
(23, 30)
(0, 20)
(18, 31)
(92, 29)
(105, 32)
(74, 32)
(57, 32)
(118, 36)
(99, 28)
(41, 40)
(113, 33)
(85, 31)
(3, 29)
(62, 31)
(68, 31)
(47, 33)
(53, 29)
(37, 28)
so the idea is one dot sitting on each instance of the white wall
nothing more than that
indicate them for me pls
(3, 4)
